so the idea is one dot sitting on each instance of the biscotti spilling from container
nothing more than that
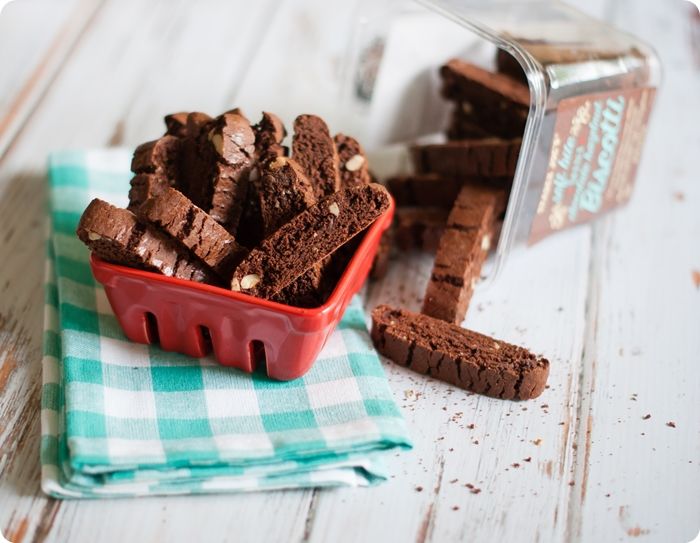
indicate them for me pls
(218, 201)
(547, 102)
(541, 132)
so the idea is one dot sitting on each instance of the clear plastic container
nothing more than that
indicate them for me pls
(372, 71)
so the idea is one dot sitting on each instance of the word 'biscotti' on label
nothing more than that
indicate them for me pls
(596, 148)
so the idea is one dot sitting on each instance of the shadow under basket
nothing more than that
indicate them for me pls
(193, 319)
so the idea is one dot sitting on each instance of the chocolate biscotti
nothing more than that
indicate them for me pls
(157, 166)
(308, 238)
(283, 191)
(458, 356)
(269, 134)
(486, 104)
(461, 253)
(473, 122)
(493, 90)
(315, 150)
(174, 213)
(352, 162)
(490, 157)
(116, 235)
(233, 142)
(419, 228)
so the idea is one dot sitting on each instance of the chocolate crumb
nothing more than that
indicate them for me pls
(671, 424)
(453, 481)
(572, 483)
(515, 465)
(537, 441)
(475, 490)
(455, 507)
(419, 489)
(696, 278)
(646, 417)
(471, 426)
(528, 459)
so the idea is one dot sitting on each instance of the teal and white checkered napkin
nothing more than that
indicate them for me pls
(124, 419)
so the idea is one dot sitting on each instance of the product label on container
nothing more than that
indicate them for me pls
(596, 147)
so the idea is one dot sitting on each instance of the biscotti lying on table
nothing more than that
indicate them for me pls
(218, 201)
(458, 356)
(453, 204)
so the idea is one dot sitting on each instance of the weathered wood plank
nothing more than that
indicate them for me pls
(639, 429)
(132, 56)
(518, 454)
(36, 37)
(575, 304)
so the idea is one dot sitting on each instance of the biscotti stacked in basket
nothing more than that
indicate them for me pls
(219, 201)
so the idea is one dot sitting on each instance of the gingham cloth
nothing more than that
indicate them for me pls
(124, 419)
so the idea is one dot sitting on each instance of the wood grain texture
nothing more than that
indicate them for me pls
(614, 307)
(36, 36)
(639, 429)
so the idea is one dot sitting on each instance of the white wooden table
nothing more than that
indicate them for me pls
(615, 306)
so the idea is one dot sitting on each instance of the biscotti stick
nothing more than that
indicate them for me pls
(314, 149)
(461, 253)
(156, 165)
(462, 81)
(232, 139)
(309, 238)
(419, 227)
(458, 356)
(115, 235)
(424, 190)
(283, 191)
(172, 212)
(489, 157)
(269, 133)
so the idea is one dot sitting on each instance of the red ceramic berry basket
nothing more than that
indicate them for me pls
(179, 314)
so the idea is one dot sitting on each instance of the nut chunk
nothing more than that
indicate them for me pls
(467, 359)
(353, 164)
(309, 238)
